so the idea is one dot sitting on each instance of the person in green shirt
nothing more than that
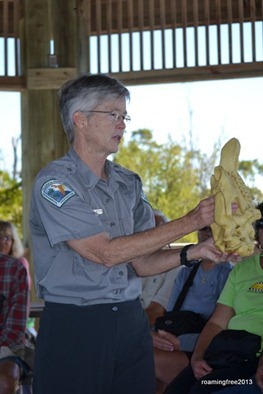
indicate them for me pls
(239, 307)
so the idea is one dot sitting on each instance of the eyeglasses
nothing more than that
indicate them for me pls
(115, 115)
(6, 238)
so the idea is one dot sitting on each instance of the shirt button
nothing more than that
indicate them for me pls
(121, 273)
(114, 308)
(107, 200)
(112, 224)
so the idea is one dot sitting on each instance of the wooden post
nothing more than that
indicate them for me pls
(43, 138)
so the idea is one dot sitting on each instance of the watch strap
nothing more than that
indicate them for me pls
(183, 256)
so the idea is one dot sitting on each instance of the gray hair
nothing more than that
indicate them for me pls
(83, 94)
(17, 249)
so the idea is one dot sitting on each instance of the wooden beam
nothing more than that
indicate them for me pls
(49, 78)
(12, 84)
(192, 74)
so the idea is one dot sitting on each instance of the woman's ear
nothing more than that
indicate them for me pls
(80, 120)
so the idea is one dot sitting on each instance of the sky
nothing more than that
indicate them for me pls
(10, 127)
(220, 110)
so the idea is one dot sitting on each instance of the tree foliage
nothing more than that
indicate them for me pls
(175, 178)
(248, 169)
(169, 172)
(11, 200)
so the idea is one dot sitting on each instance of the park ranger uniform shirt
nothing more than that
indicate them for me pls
(70, 202)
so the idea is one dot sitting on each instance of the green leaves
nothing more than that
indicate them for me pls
(11, 200)
(175, 178)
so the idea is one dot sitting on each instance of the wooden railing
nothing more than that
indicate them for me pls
(10, 61)
(149, 41)
(160, 38)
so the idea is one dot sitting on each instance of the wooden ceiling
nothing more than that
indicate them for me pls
(137, 13)
(154, 14)
(98, 28)
(10, 14)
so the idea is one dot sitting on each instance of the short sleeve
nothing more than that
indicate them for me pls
(69, 220)
(143, 216)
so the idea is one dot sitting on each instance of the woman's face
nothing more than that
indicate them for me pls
(103, 134)
(6, 241)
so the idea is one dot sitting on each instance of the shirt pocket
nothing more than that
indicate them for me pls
(118, 227)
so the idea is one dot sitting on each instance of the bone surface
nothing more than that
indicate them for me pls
(233, 232)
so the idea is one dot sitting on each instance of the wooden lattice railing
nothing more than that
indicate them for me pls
(149, 41)
(163, 36)
(10, 13)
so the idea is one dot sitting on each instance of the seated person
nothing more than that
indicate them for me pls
(239, 307)
(253, 385)
(13, 316)
(13, 246)
(156, 289)
(171, 353)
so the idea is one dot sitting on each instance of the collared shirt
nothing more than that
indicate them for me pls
(71, 202)
(13, 302)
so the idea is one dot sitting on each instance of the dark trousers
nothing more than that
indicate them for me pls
(99, 349)
(186, 383)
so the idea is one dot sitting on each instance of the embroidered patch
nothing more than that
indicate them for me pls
(56, 192)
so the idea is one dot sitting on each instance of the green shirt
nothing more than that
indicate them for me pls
(243, 292)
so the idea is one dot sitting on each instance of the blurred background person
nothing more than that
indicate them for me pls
(11, 245)
(13, 315)
(156, 289)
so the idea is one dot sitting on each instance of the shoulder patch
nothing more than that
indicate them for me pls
(56, 192)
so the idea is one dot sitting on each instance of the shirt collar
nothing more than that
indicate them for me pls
(89, 177)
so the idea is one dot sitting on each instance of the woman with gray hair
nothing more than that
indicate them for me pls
(93, 237)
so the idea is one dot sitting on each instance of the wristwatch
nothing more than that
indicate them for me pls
(183, 257)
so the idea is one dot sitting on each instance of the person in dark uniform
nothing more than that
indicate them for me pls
(94, 236)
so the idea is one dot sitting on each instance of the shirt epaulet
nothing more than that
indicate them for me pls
(126, 171)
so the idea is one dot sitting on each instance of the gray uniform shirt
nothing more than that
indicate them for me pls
(70, 202)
